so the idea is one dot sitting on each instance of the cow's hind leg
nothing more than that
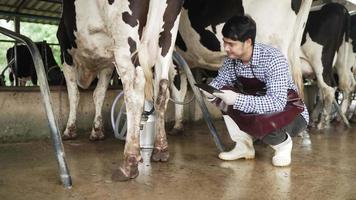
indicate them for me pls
(328, 97)
(160, 151)
(167, 39)
(133, 81)
(346, 79)
(73, 96)
(97, 133)
(179, 91)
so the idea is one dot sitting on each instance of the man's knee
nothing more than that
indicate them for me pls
(276, 137)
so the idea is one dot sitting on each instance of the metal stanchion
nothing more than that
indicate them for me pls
(56, 138)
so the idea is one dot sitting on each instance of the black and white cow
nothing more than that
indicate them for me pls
(129, 35)
(326, 44)
(26, 69)
(353, 55)
(279, 23)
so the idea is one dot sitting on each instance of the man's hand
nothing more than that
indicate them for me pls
(228, 96)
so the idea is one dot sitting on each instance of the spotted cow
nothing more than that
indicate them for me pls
(26, 68)
(325, 44)
(279, 23)
(131, 36)
(352, 57)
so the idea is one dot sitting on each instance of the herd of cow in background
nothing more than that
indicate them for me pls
(319, 44)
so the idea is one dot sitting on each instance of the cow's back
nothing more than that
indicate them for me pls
(202, 21)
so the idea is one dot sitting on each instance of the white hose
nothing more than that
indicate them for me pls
(116, 123)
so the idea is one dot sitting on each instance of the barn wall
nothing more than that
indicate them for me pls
(23, 116)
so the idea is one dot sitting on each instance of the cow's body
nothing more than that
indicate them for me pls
(325, 41)
(352, 57)
(26, 69)
(279, 23)
(134, 36)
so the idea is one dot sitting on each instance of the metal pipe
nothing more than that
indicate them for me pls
(12, 61)
(180, 60)
(15, 68)
(55, 134)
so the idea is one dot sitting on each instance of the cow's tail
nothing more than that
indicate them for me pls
(147, 70)
(149, 83)
(148, 50)
(147, 66)
(294, 49)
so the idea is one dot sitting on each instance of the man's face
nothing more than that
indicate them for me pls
(235, 49)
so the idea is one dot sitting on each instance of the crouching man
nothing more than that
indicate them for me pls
(258, 99)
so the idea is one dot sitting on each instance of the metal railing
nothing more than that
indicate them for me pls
(55, 134)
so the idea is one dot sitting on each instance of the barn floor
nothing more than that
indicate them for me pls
(324, 169)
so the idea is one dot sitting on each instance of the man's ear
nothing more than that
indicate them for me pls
(249, 41)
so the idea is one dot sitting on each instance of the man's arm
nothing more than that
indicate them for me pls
(226, 75)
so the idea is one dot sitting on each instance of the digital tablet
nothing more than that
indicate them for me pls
(208, 88)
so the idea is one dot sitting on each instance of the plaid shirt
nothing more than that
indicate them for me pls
(269, 66)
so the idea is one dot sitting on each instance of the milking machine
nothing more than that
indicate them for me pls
(147, 125)
(55, 134)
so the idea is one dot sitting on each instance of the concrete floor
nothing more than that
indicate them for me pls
(324, 169)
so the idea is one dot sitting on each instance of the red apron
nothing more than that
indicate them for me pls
(260, 125)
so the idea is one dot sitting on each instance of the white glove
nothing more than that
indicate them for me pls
(228, 96)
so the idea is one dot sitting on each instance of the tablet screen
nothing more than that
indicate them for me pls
(208, 88)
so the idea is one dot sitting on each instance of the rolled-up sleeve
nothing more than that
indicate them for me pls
(226, 75)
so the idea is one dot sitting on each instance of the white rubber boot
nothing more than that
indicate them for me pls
(282, 155)
(244, 144)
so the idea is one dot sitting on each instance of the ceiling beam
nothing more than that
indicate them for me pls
(44, 18)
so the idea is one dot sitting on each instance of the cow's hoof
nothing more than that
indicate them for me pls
(119, 176)
(96, 137)
(129, 169)
(97, 134)
(322, 126)
(160, 155)
(71, 136)
(313, 124)
(175, 131)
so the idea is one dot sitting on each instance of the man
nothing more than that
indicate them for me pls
(259, 98)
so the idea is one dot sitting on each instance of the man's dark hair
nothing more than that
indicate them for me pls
(240, 28)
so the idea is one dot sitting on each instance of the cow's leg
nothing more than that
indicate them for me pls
(133, 81)
(343, 68)
(327, 96)
(179, 91)
(97, 133)
(346, 85)
(73, 96)
(318, 107)
(160, 151)
(164, 60)
(322, 65)
(327, 93)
